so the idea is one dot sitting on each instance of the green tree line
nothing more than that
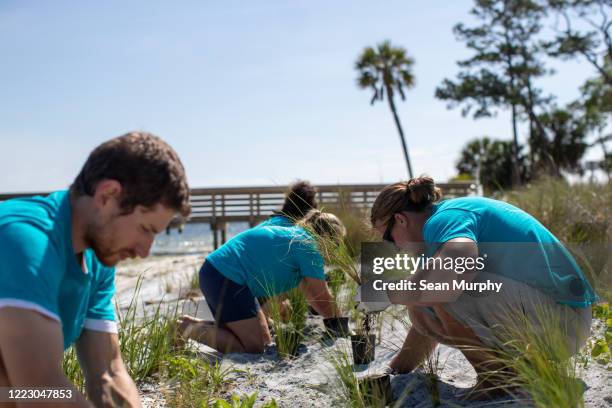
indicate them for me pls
(510, 46)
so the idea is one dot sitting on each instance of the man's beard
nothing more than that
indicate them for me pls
(99, 238)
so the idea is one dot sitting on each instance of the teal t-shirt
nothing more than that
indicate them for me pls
(269, 260)
(277, 220)
(516, 245)
(40, 270)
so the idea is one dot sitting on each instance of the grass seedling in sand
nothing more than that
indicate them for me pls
(72, 369)
(246, 401)
(288, 339)
(193, 382)
(145, 341)
(353, 396)
(539, 362)
(601, 349)
(299, 308)
(335, 280)
(194, 282)
(431, 377)
(289, 335)
(357, 392)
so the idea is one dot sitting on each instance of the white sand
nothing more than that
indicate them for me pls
(309, 380)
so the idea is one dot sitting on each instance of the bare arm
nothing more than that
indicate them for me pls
(31, 346)
(455, 248)
(107, 380)
(318, 296)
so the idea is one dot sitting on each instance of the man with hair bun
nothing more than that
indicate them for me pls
(537, 277)
(57, 279)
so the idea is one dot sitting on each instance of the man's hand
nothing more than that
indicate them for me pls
(108, 382)
(371, 307)
(31, 348)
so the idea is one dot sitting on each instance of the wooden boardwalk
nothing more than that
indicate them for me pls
(219, 206)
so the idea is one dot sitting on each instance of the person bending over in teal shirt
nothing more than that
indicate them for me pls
(538, 276)
(261, 261)
(299, 200)
(58, 255)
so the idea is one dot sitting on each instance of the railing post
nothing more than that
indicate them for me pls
(251, 208)
(214, 205)
(213, 228)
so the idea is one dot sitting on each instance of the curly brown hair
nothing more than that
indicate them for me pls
(149, 170)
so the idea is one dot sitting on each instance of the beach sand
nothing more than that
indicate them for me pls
(309, 380)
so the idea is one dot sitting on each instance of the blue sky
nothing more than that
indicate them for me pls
(248, 93)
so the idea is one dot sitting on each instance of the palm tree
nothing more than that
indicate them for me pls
(387, 69)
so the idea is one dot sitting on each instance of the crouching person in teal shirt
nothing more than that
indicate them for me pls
(57, 275)
(522, 282)
(265, 261)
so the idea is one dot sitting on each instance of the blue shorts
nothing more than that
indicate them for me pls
(228, 301)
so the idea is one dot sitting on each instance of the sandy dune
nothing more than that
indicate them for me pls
(309, 380)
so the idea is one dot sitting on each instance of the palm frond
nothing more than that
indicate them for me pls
(385, 68)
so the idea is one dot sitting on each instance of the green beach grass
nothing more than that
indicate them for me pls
(147, 347)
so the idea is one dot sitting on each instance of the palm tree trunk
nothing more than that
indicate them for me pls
(399, 129)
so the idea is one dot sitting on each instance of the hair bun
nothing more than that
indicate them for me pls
(415, 194)
(423, 191)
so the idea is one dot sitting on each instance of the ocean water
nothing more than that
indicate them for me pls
(194, 239)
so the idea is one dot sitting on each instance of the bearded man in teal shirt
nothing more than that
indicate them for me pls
(58, 254)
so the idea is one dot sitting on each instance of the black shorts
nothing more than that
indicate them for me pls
(228, 301)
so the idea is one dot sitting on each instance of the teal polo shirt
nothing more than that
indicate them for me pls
(40, 271)
(277, 220)
(269, 260)
(516, 244)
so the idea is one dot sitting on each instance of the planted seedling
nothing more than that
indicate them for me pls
(363, 341)
(289, 335)
(376, 390)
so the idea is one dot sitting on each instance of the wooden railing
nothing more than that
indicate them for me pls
(218, 206)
